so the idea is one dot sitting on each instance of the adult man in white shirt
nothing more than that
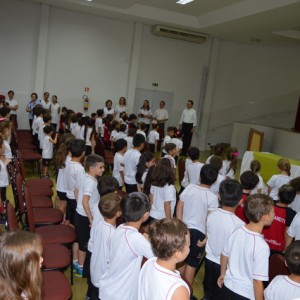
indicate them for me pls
(187, 124)
(13, 105)
(161, 115)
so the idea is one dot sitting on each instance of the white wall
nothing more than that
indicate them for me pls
(254, 84)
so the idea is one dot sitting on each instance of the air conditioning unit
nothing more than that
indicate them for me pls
(179, 34)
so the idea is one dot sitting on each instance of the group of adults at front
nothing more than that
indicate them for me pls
(187, 123)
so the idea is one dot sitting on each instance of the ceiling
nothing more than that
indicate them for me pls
(263, 22)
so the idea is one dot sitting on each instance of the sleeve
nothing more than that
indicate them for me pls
(89, 187)
(181, 118)
(155, 114)
(213, 202)
(79, 176)
(121, 163)
(184, 194)
(270, 182)
(170, 194)
(270, 291)
(167, 115)
(195, 119)
(156, 136)
(290, 214)
(261, 262)
(143, 246)
(292, 231)
(227, 246)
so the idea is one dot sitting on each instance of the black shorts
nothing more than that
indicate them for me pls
(62, 196)
(46, 162)
(71, 210)
(82, 227)
(193, 259)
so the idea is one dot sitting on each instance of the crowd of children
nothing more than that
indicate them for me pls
(138, 213)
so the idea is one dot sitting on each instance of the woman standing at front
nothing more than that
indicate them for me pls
(145, 115)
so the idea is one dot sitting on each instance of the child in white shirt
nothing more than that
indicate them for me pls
(118, 171)
(47, 153)
(3, 174)
(142, 129)
(217, 163)
(193, 169)
(193, 207)
(230, 164)
(100, 240)
(99, 123)
(220, 224)
(245, 257)
(276, 181)
(153, 137)
(287, 287)
(159, 278)
(171, 153)
(146, 161)
(5, 133)
(128, 247)
(260, 187)
(295, 205)
(167, 139)
(88, 197)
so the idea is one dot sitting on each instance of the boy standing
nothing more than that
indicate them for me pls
(193, 207)
(88, 197)
(220, 224)
(194, 168)
(99, 243)
(287, 287)
(131, 159)
(167, 139)
(153, 137)
(245, 257)
(128, 247)
(47, 153)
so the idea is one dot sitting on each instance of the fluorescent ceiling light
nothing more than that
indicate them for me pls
(183, 2)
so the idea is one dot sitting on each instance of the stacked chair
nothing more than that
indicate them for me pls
(33, 211)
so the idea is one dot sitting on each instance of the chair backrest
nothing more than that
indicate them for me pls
(277, 266)
(100, 148)
(29, 210)
(181, 169)
(11, 217)
(20, 191)
(12, 172)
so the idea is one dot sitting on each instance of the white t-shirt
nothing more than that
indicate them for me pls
(275, 182)
(141, 132)
(113, 135)
(41, 135)
(208, 159)
(295, 205)
(12, 102)
(120, 135)
(189, 115)
(88, 141)
(225, 169)
(131, 159)
(185, 181)
(248, 259)
(153, 136)
(260, 186)
(55, 113)
(119, 109)
(129, 139)
(294, 229)
(160, 196)
(177, 142)
(197, 201)
(74, 173)
(193, 172)
(99, 245)
(157, 282)
(45, 105)
(108, 112)
(172, 159)
(146, 113)
(118, 167)
(161, 114)
(99, 126)
(3, 175)
(77, 131)
(87, 187)
(128, 247)
(282, 288)
(61, 182)
(7, 151)
(216, 185)
(220, 224)
(37, 122)
(167, 139)
(47, 148)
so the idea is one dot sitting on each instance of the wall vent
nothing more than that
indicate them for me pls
(179, 34)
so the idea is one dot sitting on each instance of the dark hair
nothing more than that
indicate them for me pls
(107, 101)
(122, 127)
(109, 205)
(249, 180)
(132, 117)
(218, 149)
(231, 155)
(38, 110)
(138, 140)
(46, 93)
(4, 111)
(191, 101)
(148, 180)
(93, 115)
(167, 236)
(120, 144)
(292, 257)
(54, 97)
(295, 183)
(141, 166)
(286, 194)
(77, 147)
(74, 118)
(256, 206)
(208, 174)
(46, 117)
(134, 206)
(48, 129)
(255, 166)
(143, 126)
(63, 149)
(163, 173)
(92, 160)
(107, 184)
(230, 192)
(122, 98)
(170, 128)
(131, 132)
(216, 162)
(89, 123)
(193, 153)
(34, 94)
(148, 106)
(9, 92)
(169, 147)
(100, 112)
